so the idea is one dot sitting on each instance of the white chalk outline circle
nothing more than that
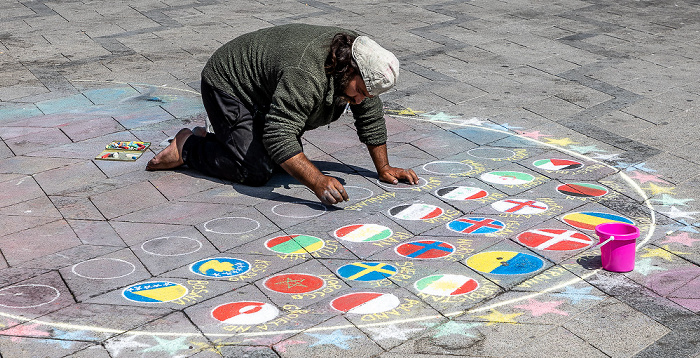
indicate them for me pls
(359, 187)
(133, 268)
(512, 153)
(58, 294)
(172, 237)
(447, 162)
(311, 203)
(257, 223)
(407, 187)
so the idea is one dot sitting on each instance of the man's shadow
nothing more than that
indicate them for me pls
(281, 181)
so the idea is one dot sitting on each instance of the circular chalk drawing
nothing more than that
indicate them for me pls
(425, 249)
(245, 313)
(103, 269)
(294, 283)
(356, 193)
(366, 271)
(231, 225)
(294, 244)
(557, 164)
(475, 225)
(401, 185)
(171, 246)
(507, 177)
(27, 296)
(299, 209)
(418, 211)
(588, 220)
(505, 262)
(154, 292)
(554, 239)
(363, 233)
(446, 285)
(220, 267)
(582, 190)
(461, 193)
(441, 167)
(520, 206)
(365, 302)
(491, 153)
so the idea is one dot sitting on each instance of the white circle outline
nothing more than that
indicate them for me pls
(499, 158)
(133, 268)
(293, 273)
(300, 217)
(172, 237)
(359, 187)
(231, 233)
(143, 283)
(58, 294)
(216, 258)
(408, 187)
(449, 162)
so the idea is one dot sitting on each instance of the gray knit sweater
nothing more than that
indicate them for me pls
(280, 70)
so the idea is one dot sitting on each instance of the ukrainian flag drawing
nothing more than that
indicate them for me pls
(505, 262)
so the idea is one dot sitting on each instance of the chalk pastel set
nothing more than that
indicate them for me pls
(123, 150)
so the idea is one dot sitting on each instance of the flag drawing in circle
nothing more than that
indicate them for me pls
(425, 249)
(520, 206)
(507, 177)
(155, 292)
(415, 211)
(363, 233)
(461, 193)
(588, 220)
(294, 244)
(475, 225)
(555, 239)
(505, 262)
(245, 313)
(220, 267)
(446, 285)
(365, 302)
(557, 164)
(366, 271)
(294, 283)
(584, 190)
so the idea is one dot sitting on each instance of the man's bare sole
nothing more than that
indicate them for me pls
(171, 156)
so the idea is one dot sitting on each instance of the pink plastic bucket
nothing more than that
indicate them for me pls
(618, 254)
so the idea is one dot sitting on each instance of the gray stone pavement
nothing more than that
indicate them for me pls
(103, 259)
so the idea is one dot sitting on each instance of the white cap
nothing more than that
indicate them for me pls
(379, 67)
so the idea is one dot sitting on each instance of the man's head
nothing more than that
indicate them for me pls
(361, 68)
(379, 68)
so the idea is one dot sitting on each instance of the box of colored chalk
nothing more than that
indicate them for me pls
(123, 150)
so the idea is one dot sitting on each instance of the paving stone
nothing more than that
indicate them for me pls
(34, 243)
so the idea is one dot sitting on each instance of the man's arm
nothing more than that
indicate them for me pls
(327, 189)
(386, 172)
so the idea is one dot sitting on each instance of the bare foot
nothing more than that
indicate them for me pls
(199, 131)
(171, 156)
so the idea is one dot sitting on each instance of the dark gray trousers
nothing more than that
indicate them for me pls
(235, 151)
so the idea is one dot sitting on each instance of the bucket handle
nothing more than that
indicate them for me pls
(606, 241)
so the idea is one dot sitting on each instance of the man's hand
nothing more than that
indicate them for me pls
(392, 175)
(329, 190)
(386, 172)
